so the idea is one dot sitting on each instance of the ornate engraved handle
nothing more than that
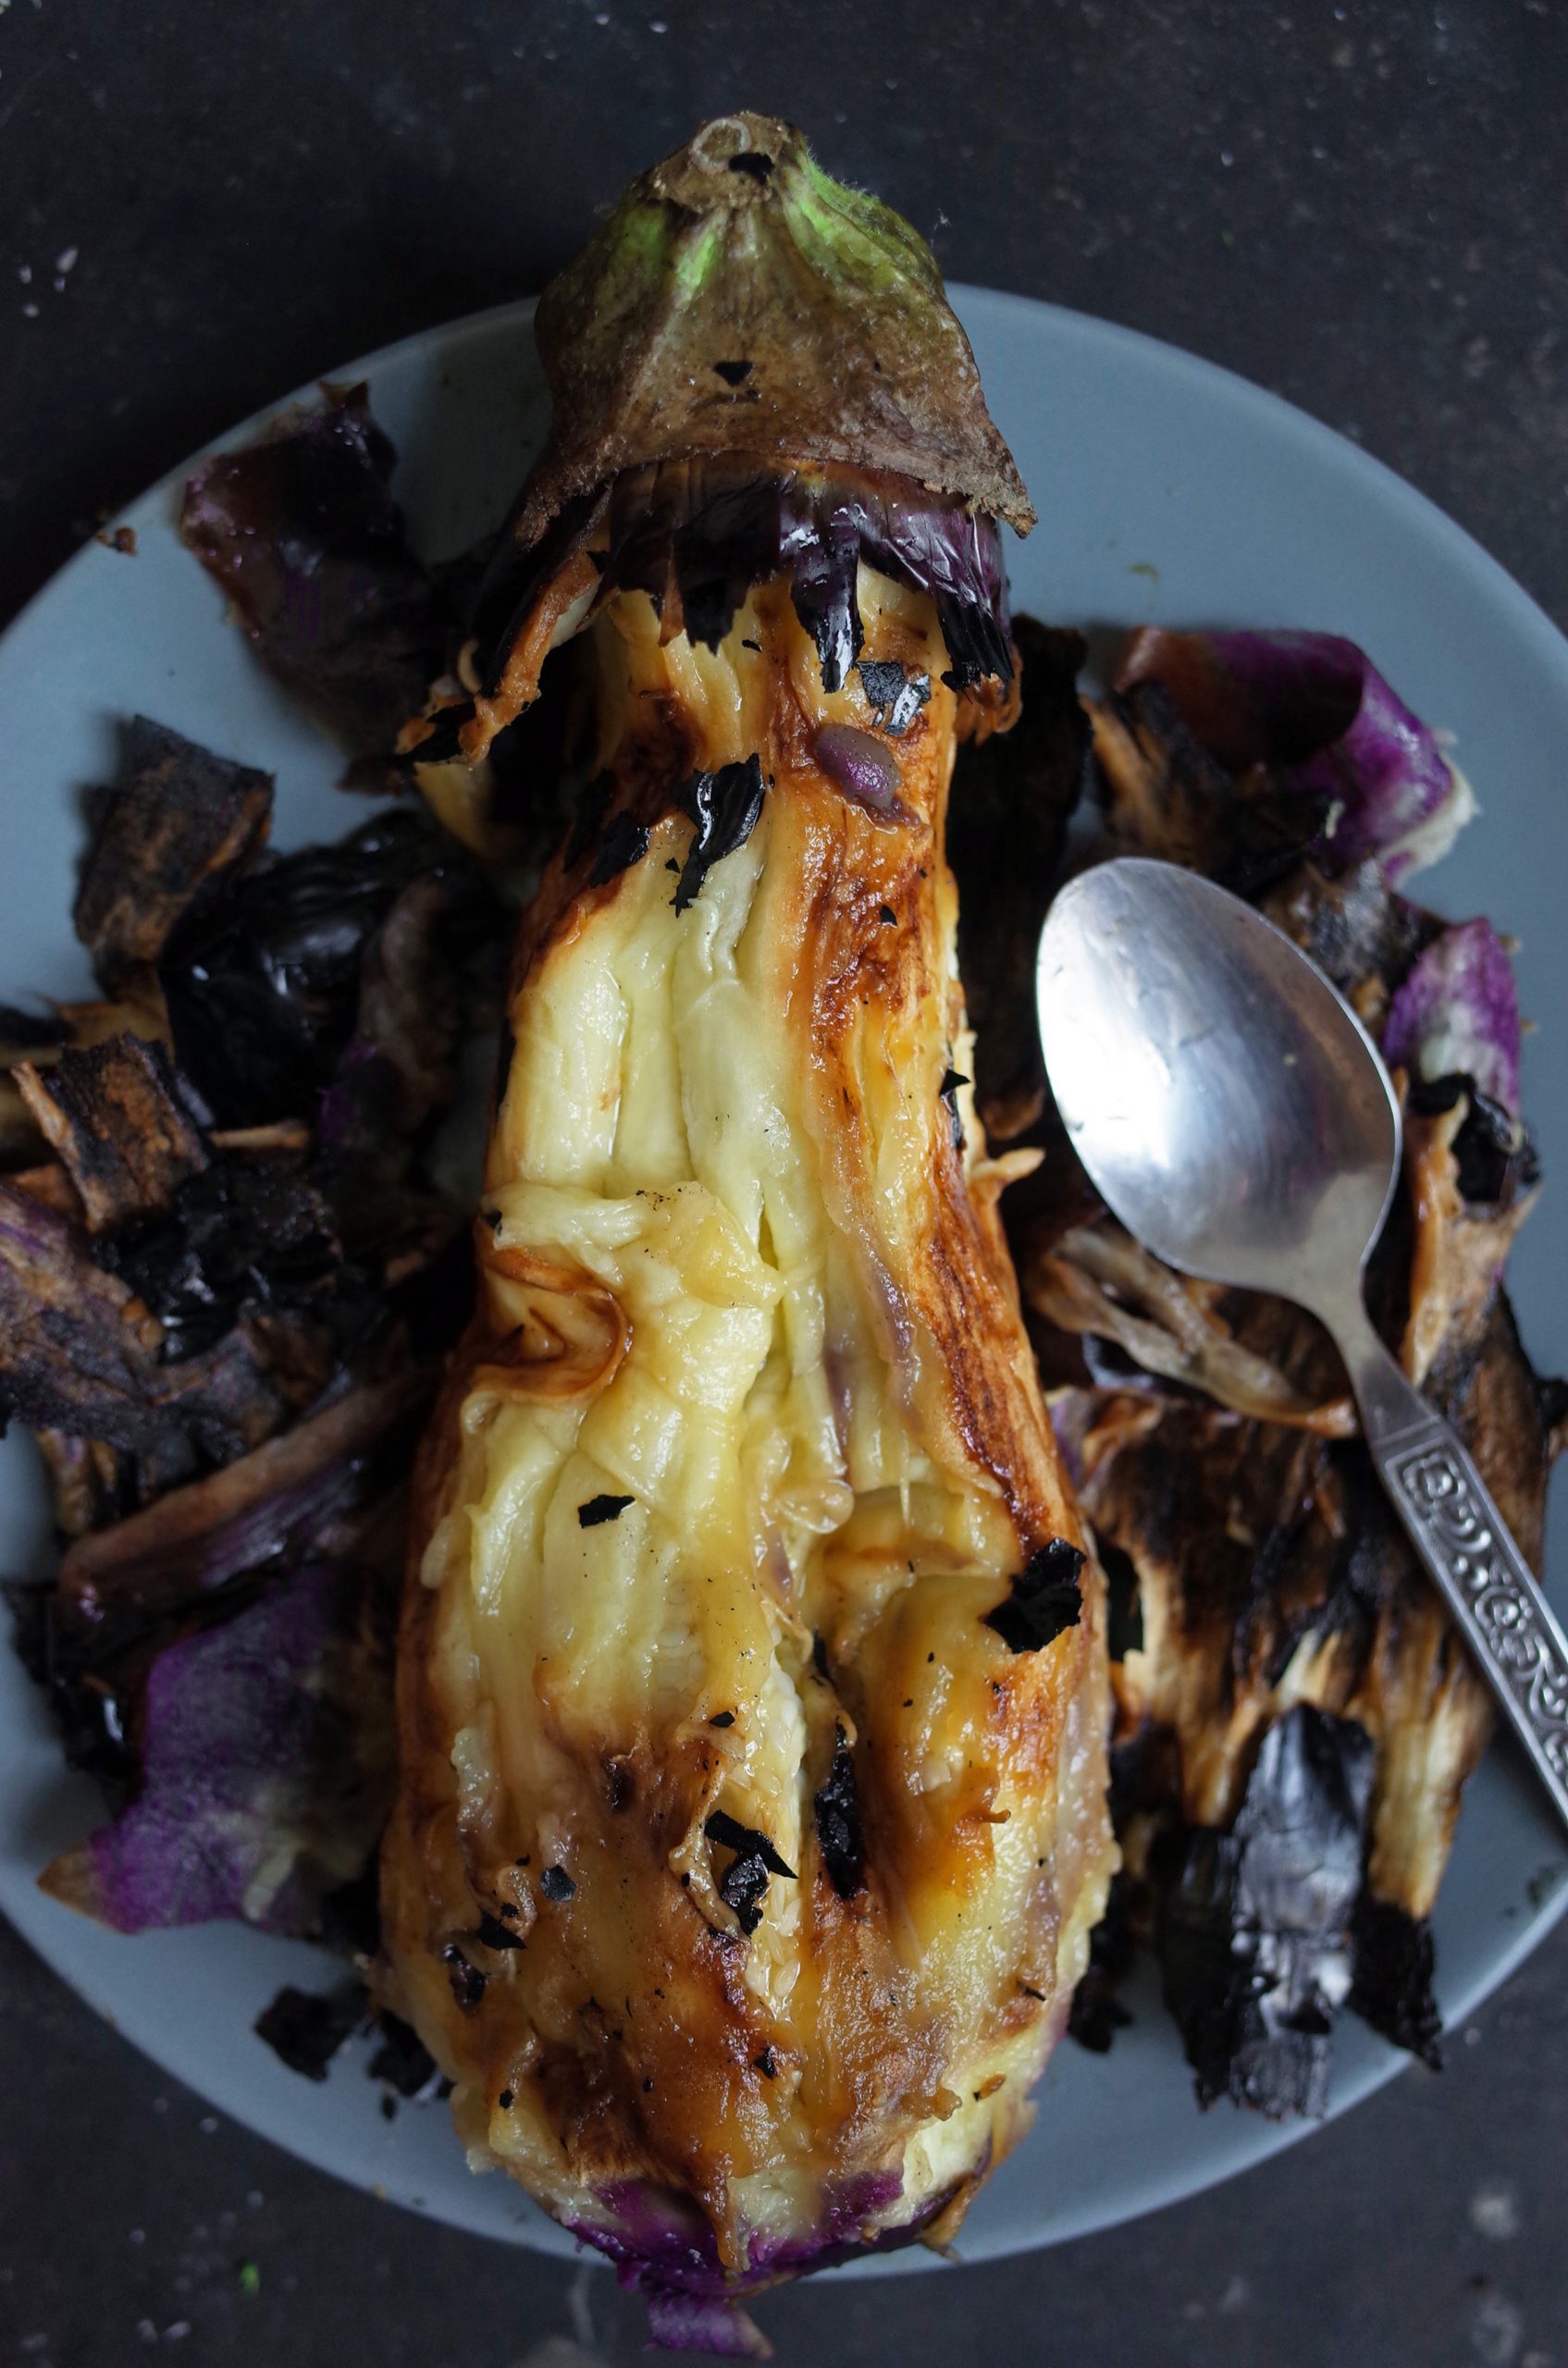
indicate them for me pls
(1465, 1543)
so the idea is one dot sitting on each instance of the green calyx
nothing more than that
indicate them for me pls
(740, 300)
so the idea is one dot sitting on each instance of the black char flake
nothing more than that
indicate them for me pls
(306, 2028)
(623, 842)
(895, 696)
(725, 807)
(743, 1886)
(602, 1509)
(837, 1811)
(1045, 1599)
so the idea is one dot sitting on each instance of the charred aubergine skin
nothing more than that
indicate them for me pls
(752, 1679)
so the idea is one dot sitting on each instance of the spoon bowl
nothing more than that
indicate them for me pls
(1231, 1110)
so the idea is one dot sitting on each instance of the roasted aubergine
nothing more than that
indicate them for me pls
(752, 1682)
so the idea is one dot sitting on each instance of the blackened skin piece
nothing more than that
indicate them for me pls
(177, 818)
(897, 696)
(1391, 1982)
(303, 532)
(403, 2061)
(729, 1832)
(89, 1717)
(1493, 1156)
(743, 1886)
(725, 807)
(1044, 1600)
(312, 1493)
(1013, 795)
(246, 1235)
(837, 1811)
(306, 2028)
(1097, 2013)
(1360, 933)
(1163, 794)
(1254, 1925)
(1240, 722)
(120, 1120)
(77, 1355)
(625, 842)
(263, 988)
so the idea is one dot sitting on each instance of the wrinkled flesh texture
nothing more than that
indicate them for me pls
(697, 535)
(741, 1271)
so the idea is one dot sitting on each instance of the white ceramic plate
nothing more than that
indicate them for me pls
(1167, 491)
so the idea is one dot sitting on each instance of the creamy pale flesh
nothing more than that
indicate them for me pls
(737, 1269)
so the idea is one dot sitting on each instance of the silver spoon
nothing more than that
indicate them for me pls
(1234, 1114)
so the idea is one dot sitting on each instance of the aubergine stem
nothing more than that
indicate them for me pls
(738, 299)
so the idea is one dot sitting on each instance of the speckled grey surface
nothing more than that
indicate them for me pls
(1362, 206)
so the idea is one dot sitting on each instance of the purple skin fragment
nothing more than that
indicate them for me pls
(665, 2250)
(239, 1729)
(719, 2329)
(1388, 774)
(1314, 707)
(716, 526)
(1457, 1014)
(866, 771)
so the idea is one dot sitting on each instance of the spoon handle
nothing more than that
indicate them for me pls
(1467, 1548)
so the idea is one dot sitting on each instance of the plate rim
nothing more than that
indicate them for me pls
(1418, 512)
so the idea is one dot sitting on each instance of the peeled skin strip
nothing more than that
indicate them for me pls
(742, 1871)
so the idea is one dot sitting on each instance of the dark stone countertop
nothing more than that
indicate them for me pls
(1362, 206)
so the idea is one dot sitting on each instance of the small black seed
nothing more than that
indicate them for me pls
(556, 1883)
